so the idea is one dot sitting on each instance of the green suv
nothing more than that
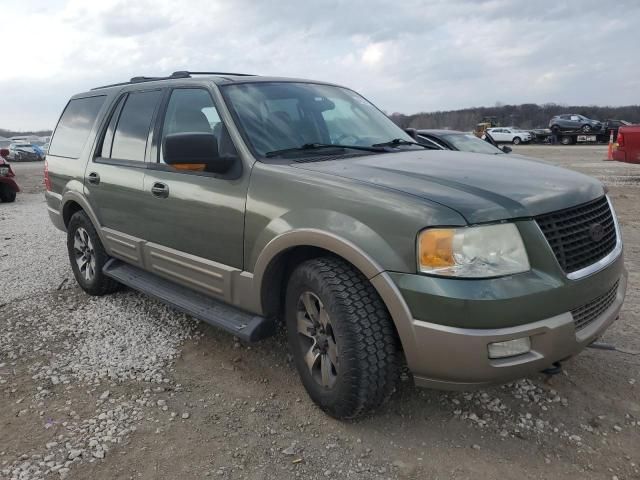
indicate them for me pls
(251, 202)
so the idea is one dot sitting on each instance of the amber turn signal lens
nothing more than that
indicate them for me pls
(436, 248)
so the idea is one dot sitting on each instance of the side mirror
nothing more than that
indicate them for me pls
(195, 151)
(506, 149)
(4, 152)
(412, 132)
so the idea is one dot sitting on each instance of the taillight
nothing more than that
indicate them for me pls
(620, 139)
(47, 181)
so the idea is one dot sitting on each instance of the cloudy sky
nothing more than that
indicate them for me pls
(406, 56)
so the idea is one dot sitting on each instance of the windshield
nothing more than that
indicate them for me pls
(470, 143)
(286, 115)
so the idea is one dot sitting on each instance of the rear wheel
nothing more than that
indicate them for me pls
(87, 256)
(566, 140)
(516, 140)
(342, 338)
(7, 194)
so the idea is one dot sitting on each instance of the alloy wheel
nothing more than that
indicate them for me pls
(317, 339)
(84, 254)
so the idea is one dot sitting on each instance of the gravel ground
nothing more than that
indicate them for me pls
(124, 387)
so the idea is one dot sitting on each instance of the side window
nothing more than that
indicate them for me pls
(132, 130)
(191, 110)
(74, 126)
(575, 117)
(105, 149)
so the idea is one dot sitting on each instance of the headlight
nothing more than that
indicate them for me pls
(472, 252)
(4, 171)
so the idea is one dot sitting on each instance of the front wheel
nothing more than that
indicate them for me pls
(586, 128)
(516, 140)
(342, 339)
(88, 256)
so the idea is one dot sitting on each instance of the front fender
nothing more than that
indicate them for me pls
(333, 231)
(349, 251)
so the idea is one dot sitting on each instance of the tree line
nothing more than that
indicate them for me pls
(13, 133)
(528, 115)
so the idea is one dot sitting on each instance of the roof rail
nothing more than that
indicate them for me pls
(178, 74)
(187, 73)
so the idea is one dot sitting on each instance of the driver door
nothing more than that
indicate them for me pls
(194, 219)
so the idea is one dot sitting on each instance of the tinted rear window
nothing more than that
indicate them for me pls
(130, 139)
(74, 126)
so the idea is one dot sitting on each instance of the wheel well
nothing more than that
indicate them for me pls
(68, 210)
(277, 273)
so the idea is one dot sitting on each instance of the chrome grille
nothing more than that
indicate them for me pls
(569, 233)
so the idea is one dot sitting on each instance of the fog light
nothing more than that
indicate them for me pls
(510, 348)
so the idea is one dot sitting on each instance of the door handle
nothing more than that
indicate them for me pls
(93, 178)
(160, 190)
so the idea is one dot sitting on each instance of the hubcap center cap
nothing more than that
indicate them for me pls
(323, 342)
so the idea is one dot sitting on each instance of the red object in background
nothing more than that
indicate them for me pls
(7, 182)
(627, 148)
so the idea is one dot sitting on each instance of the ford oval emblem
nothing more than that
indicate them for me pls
(596, 232)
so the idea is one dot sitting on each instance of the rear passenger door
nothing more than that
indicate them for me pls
(194, 220)
(114, 177)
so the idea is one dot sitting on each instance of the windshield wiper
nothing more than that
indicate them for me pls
(399, 142)
(319, 146)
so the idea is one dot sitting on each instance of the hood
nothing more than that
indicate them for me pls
(482, 188)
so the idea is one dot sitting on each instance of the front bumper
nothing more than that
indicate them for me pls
(457, 358)
(443, 351)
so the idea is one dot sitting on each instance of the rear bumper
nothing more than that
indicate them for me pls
(54, 203)
(457, 358)
(10, 182)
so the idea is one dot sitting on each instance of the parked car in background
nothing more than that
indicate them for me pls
(39, 150)
(613, 124)
(509, 135)
(627, 146)
(24, 152)
(461, 141)
(573, 121)
(8, 186)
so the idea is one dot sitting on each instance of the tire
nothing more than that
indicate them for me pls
(365, 367)
(516, 140)
(586, 128)
(566, 140)
(90, 278)
(7, 195)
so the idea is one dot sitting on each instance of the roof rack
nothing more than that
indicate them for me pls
(178, 74)
(186, 73)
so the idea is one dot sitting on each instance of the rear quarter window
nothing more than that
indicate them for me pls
(74, 126)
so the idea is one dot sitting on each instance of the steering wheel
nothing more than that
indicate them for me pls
(344, 136)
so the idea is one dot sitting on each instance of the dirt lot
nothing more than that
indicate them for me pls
(123, 387)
